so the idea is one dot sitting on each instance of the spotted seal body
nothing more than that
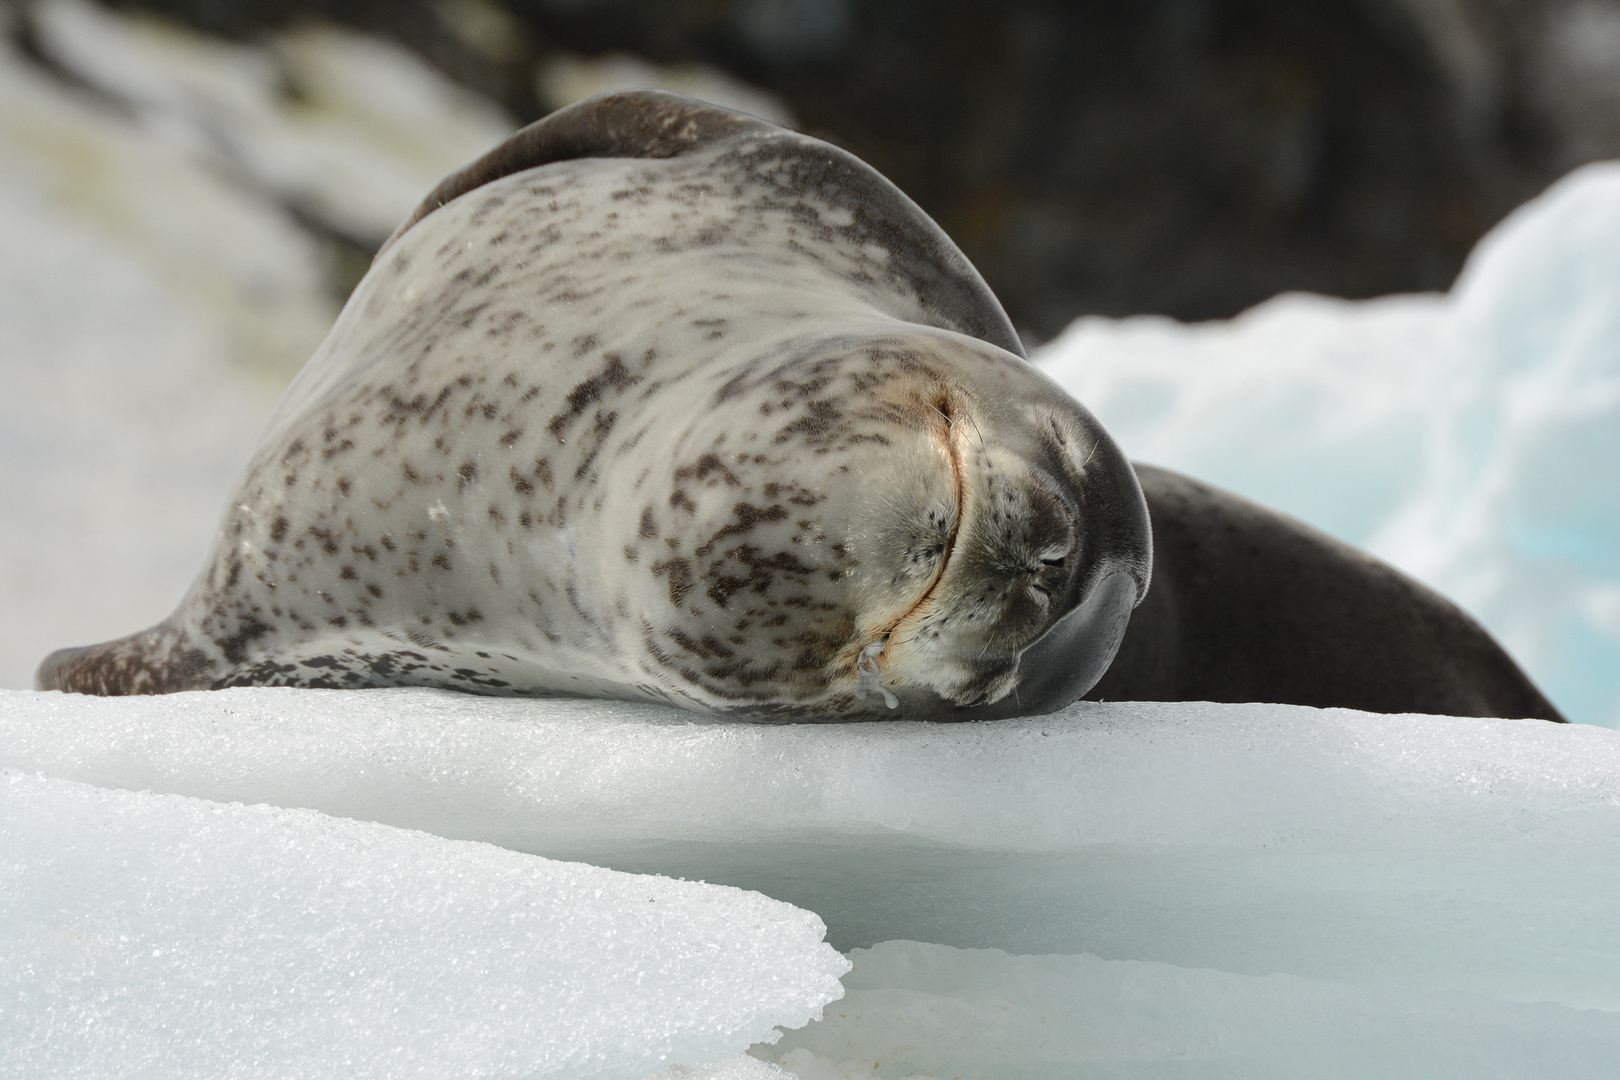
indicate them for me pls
(659, 401)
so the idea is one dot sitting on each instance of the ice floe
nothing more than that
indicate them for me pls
(1221, 886)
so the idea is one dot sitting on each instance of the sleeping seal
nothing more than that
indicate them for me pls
(659, 401)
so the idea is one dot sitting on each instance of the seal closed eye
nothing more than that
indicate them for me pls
(659, 401)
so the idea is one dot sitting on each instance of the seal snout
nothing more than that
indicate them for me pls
(1071, 656)
(1051, 554)
(1010, 574)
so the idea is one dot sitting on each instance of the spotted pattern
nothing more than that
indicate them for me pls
(687, 428)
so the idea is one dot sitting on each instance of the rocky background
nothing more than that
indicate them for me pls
(1186, 157)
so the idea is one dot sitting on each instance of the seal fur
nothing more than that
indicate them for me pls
(1251, 605)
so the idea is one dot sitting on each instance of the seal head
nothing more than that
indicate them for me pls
(940, 509)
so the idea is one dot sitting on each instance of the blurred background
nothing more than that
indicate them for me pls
(190, 188)
(1183, 157)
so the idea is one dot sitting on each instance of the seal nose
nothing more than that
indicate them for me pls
(1094, 581)
(1111, 560)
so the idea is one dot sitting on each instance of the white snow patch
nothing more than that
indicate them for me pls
(741, 1067)
(156, 936)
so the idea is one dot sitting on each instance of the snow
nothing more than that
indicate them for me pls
(741, 1067)
(1097, 830)
(1471, 439)
(156, 936)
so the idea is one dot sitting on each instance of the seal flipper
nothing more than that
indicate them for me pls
(150, 662)
(654, 124)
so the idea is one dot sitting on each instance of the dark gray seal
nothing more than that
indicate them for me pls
(659, 401)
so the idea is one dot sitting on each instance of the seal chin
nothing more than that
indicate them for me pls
(1068, 659)
(1055, 671)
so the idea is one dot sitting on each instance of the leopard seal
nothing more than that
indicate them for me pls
(659, 401)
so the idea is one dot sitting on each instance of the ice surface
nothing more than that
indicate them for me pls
(741, 1067)
(1472, 439)
(156, 936)
(1181, 890)
(914, 1008)
(1415, 853)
